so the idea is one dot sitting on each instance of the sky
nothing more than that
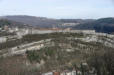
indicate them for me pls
(86, 9)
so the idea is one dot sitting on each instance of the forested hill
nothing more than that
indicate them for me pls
(105, 25)
(10, 23)
(44, 22)
(41, 22)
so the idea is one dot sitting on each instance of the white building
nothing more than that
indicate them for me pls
(48, 73)
(3, 39)
(0, 28)
(73, 72)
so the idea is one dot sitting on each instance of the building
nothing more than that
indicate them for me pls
(48, 73)
(6, 28)
(66, 72)
(74, 72)
(56, 73)
(3, 39)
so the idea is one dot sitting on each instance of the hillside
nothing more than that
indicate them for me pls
(34, 21)
(105, 25)
(10, 23)
(63, 51)
(81, 21)
(44, 22)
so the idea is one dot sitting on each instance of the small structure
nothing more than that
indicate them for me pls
(48, 73)
(56, 73)
(66, 72)
(3, 39)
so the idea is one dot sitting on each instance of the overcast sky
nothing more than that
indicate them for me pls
(58, 8)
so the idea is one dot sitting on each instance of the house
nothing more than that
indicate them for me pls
(3, 39)
(6, 28)
(62, 73)
(92, 71)
(48, 73)
(56, 73)
(66, 72)
(0, 29)
(79, 72)
(74, 72)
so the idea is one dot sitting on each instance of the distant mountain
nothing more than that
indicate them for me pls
(105, 25)
(10, 23)
(81, 21)
(34, 21)
(43, 22)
